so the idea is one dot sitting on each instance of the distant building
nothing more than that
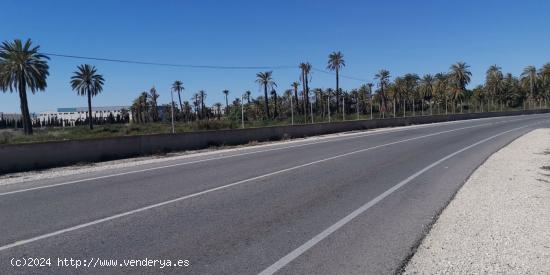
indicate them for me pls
(9, 116)
(13, 120)
(70, 116)
(14, 116)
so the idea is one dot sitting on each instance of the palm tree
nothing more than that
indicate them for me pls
(530, 74)
(456, 94)
(136, 110)
(248, 94)
(335, 63)
(363, 95)
(226, 93)
(479, 94)
(329, 92)
(426, 90)
(494, 82)
(392, 92)
(265, 79)
(370, 85)
(218, 107)
(143, 102)
(400, 86)
(178, 87)
(274, 95)
(411, 84)
(153, 95)
(460, 75)
(544, 78)
(383, 77)
(355, 100)
(22, 67)
(87, 82)
(187, 110)
(305, 67)
(318, 98)
(441, 89)
(295, 87)
(196, 104)
(511, 93)
(202, 97)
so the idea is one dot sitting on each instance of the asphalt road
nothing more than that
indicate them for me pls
(350, 204)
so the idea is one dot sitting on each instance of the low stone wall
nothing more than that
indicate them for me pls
(24, 157)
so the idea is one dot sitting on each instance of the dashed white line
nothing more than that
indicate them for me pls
(221, 157)
(120, 215)
(339, 224)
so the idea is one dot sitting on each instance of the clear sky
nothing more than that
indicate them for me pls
(401, 36)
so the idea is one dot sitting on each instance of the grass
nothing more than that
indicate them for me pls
(16, 136)
(12, 136)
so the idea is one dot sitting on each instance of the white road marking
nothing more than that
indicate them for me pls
(323, 139)
(120, 215)
(339, 224)
(237, 155)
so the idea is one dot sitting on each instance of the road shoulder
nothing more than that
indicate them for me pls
(499, 220)
(87, 168)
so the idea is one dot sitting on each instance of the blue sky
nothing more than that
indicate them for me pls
(401, 36)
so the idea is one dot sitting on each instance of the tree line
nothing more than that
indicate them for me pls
(24, 68)
(404, 95)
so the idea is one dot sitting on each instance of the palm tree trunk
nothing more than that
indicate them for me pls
(371, 108)
(179, 98)
(414, 103)
(276, 113)
(307, 95)
(26, 117)
(337, 90)
(296, 99)
(343, 108)
(304, 106)
(328, 106)
(317, 103)
(227, 106)
(90, 111)
(203, 107)
(266, 102)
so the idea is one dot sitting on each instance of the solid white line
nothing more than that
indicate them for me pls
(329, 139)
(59, 232)
(325, 233)
(225, 157)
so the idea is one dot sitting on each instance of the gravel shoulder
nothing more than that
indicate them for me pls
(499, 221)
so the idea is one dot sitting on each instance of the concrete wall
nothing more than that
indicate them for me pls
(24, 157)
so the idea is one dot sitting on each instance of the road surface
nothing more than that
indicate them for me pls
(350, 204)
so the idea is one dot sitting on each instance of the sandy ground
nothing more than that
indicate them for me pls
(499, 221)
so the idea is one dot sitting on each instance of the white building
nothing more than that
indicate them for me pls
(9, 116)
(69, 116)
(14, 116)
